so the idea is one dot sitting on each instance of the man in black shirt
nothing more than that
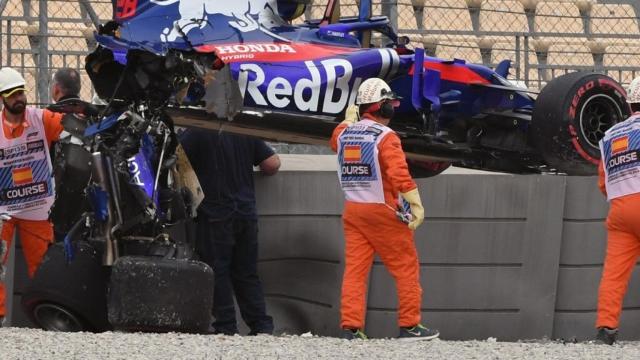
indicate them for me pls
(66, 84)
(227, 231)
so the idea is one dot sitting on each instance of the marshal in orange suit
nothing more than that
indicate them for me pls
(619, 180)
(378, 188)
(27, 189)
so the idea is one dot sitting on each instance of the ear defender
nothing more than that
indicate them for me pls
(386, 110)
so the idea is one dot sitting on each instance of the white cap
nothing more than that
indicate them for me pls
(374, 90)
(633, 93)
(10, 79)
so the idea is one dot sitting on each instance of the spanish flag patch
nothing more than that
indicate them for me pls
(620, 144)
(22, 176)
(351, 153)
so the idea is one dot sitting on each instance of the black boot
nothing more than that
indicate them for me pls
(353, 334)
(606, 335)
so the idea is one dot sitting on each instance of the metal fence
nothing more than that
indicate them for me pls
(38, 37)
(543, 38)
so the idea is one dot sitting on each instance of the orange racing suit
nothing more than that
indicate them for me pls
(371, 227)
(619, 180)
(35, 231)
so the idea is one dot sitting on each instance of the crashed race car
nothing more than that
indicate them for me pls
(243, 67)
(293, 83)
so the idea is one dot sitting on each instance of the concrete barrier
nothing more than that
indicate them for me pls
(512, 257)
(505, 256)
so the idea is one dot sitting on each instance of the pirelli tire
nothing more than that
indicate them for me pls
(570, 117)
(68, 296)
(160, 295)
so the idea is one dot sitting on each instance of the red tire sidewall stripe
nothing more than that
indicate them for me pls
(579, 148)
(602, 83)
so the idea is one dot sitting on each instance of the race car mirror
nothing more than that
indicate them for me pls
(342, 29)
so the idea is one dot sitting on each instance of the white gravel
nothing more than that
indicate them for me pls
(18, 343)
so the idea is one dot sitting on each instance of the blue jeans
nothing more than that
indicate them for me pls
(230, 247)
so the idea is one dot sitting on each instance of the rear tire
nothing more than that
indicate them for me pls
(160, 295)
(570, 117)
(68, 296)
(54, 317)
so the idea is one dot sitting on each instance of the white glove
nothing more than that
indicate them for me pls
(417, 211)
(351, 115)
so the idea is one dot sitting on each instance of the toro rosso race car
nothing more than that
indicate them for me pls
(209, 62)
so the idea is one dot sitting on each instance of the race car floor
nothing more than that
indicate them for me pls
(20, 343)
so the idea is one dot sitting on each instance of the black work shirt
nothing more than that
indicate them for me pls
(70, 96)
(224, 165)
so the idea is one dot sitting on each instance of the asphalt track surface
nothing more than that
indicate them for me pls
(20, 343)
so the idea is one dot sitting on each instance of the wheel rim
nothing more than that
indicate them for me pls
(54, 317)
(598, 114)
